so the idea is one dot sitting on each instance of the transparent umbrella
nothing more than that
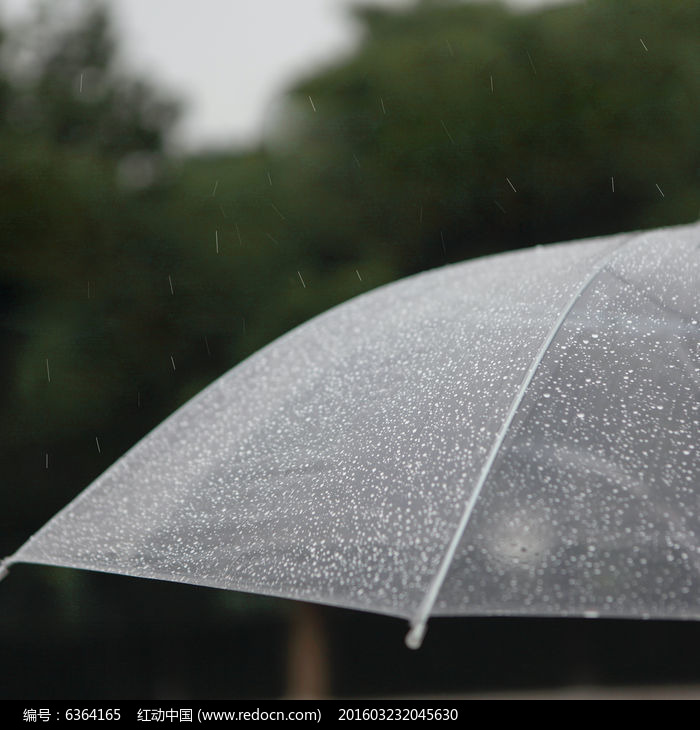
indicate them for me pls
(512, 435)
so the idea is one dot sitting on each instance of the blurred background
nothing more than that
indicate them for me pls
(182, 182)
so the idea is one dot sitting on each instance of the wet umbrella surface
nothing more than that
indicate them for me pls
(513, 435)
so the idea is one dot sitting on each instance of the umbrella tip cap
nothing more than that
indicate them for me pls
(415, 635)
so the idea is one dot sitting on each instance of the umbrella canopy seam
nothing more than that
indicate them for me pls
(415, 635)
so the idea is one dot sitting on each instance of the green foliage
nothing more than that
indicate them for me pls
(477, 128)
(69, 91)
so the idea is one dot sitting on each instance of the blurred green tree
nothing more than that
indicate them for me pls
(82, 147)
(107, 295)
(68, 89)
(461, 129)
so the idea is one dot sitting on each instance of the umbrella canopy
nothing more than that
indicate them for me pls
(512, 435)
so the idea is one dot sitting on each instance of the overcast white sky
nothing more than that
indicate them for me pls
(228, 59)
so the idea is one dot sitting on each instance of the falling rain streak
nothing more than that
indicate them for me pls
(48, 371)
(511, 184)
(301, 278)
(277, 210)
(97, 441)
(529, 58)
(447, 132)
(172, 290)
(216, 234)
(660, 190)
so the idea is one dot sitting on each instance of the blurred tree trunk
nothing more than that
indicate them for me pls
(307, 668)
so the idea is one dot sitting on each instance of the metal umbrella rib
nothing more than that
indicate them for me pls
(414, 638)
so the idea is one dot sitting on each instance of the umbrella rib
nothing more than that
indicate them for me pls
(648, 295)
(414, 638)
